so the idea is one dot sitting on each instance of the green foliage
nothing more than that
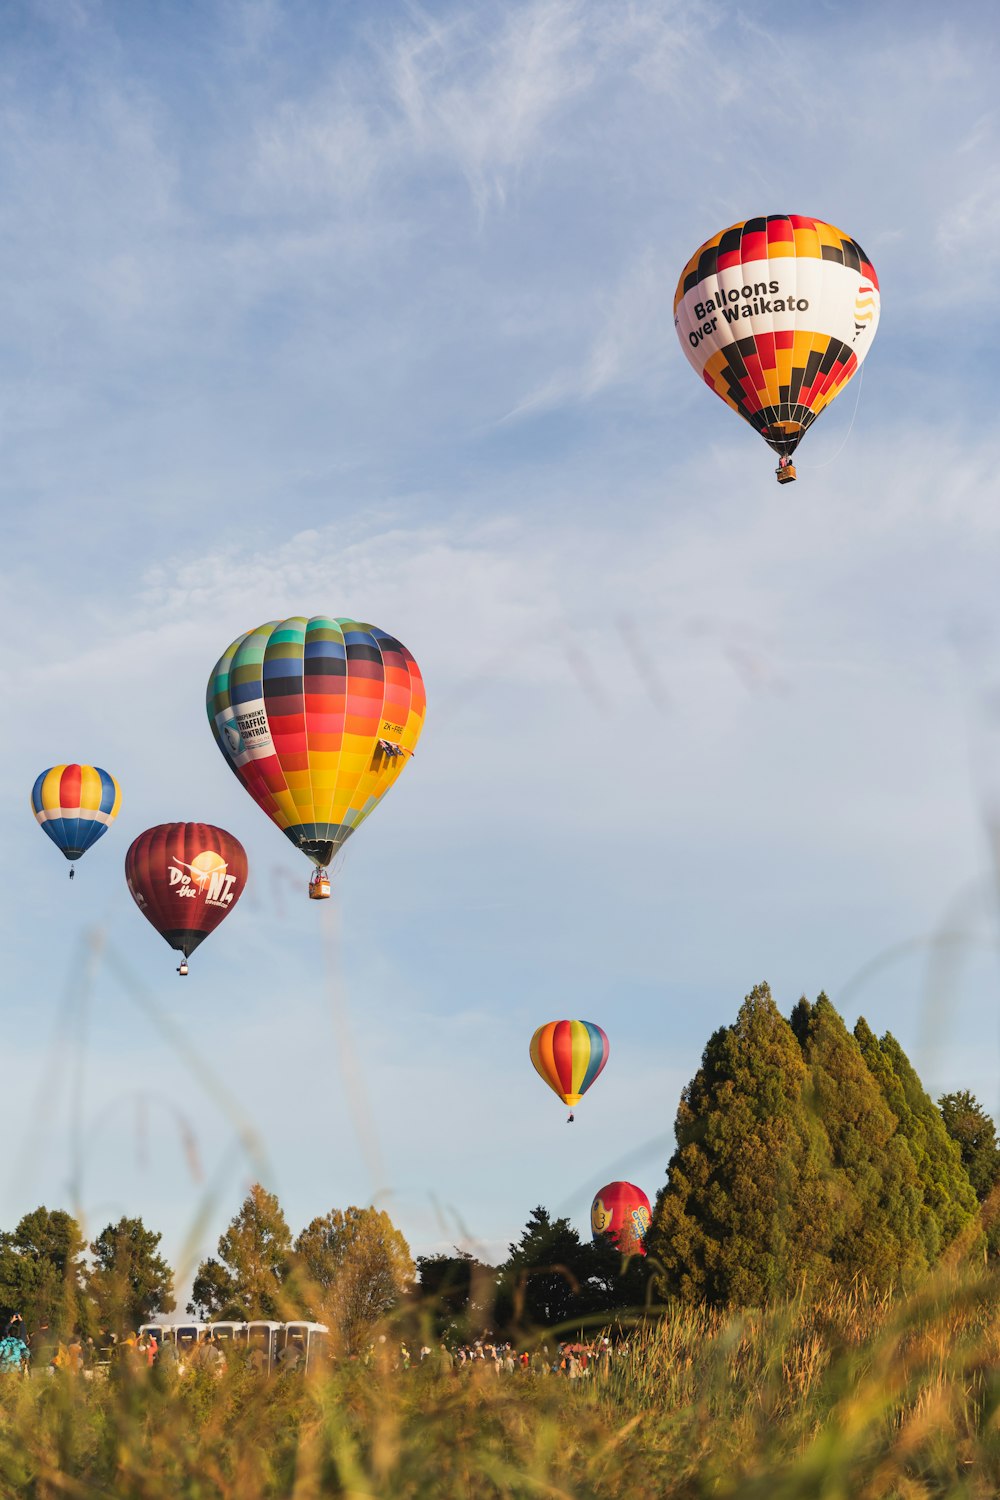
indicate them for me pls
(129, 1281)
(949, 1199)
(750, 1208)
(975, 1134)
(805, 1156)
(879, 1192)
(351, 1270)
(552, 1279)
(459, 1292)
(41, 1269)
(542, 1282)
(246, 1280)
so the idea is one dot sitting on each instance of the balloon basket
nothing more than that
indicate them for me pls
(786, 475)
(182, 967)
(319, 886)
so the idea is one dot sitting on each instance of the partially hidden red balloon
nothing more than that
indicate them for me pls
(185, 878)
(622, 1210)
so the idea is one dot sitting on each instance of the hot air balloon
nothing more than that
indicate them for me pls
(317, 718)
(622, 1210)
(776, 314)
(185, 878)
(569, 1055)
(75, 805)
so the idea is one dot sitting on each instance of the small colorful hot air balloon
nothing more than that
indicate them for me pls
(185, 878)
(622, 1210)
(75, 805)
(569, 1055)
(776, 314)
(317, 718)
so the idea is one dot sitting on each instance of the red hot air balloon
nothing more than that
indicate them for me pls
(622, 1210)
(184, 878)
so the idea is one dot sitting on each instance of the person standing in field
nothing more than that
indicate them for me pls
(43, 1348)
(13, 1355)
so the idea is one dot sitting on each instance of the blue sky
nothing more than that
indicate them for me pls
(368, 311)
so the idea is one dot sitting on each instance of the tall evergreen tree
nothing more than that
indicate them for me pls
(130, 1280)
(246, 1280)
(459, 1291)
(749, 1209)
(950, 1203)
(877, 1183)
(545, 1280)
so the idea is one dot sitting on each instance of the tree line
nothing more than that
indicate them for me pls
(807, 1154)
(349, 1269)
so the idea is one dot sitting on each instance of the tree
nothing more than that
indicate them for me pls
(41, 1270)
(750, 1209)
(352, 1267)
(460, 1292)
(253, 1262)
(949, 1200)
(545, 1281)
(129, 1280)
(878, 1187)
(975, 1134)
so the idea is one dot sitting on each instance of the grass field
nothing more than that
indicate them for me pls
(841, 1398)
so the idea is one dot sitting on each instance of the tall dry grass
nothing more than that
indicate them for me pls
(843, 1397)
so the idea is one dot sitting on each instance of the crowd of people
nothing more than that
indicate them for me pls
(574, 1361)
(42, 1352)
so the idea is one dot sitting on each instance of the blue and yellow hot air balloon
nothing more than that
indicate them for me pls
(75, 805)
(569, 1055)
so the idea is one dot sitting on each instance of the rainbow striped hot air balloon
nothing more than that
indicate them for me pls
(75, 805)
(569, 1055)
(317, 718)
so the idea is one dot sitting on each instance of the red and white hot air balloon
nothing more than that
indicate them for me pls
(186, 878)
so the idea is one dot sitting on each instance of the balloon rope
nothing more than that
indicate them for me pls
(857, 403)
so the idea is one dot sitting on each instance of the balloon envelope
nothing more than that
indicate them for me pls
(622, 1210)
(775, 315)
(317, 717)
(569, 1055)
(75, 805)
(185, 878)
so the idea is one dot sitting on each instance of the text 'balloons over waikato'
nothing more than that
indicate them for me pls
(317, 718)
(776, 314)
(185, 878)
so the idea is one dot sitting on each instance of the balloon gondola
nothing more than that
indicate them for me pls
(317, 718)
(776, 314)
